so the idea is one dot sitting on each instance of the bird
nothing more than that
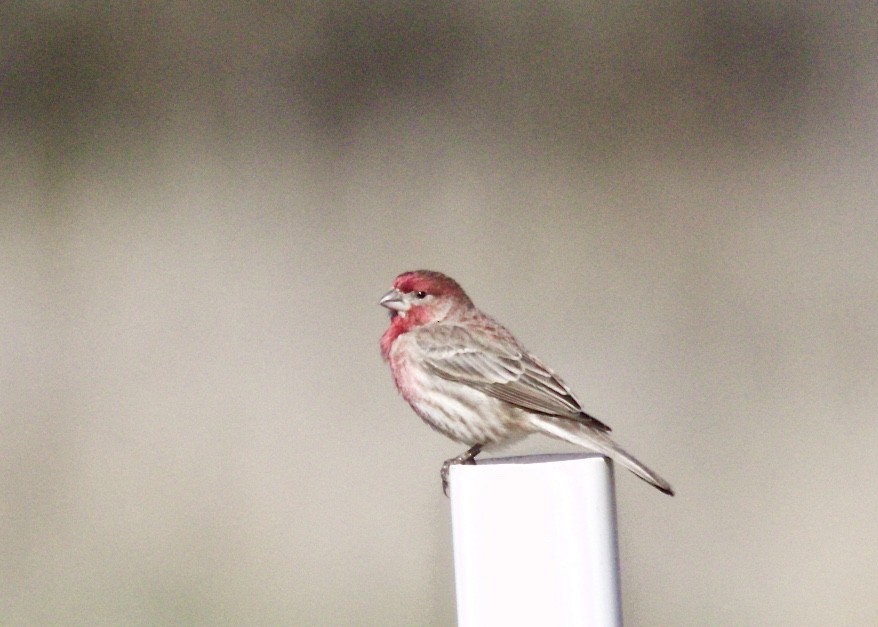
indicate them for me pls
(469, 378)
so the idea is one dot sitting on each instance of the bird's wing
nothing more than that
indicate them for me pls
(500, 369)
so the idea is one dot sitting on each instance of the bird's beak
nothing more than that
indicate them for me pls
(394, 300)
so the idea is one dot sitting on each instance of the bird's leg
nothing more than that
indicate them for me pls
(468, 458)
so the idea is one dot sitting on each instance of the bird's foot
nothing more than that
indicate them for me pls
(468, 459)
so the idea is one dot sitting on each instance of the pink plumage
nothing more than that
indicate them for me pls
(468, 377)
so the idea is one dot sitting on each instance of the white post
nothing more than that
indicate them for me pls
(535, 542)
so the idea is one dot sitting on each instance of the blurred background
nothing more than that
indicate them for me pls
(673, 204)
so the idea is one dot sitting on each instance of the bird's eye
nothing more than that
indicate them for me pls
(420, 295)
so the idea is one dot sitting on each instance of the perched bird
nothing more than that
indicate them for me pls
(468, 377)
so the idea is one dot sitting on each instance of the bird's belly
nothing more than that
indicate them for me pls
(465, 414)
(455, 409)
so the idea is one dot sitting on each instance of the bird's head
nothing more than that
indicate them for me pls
(423, 296)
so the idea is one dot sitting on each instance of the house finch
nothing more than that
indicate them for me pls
(468, 377)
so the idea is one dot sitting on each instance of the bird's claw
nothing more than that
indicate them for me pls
(468, 459)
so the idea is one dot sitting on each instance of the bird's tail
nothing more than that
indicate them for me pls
(588, 437)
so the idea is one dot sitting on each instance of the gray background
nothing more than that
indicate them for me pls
(672, 204)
